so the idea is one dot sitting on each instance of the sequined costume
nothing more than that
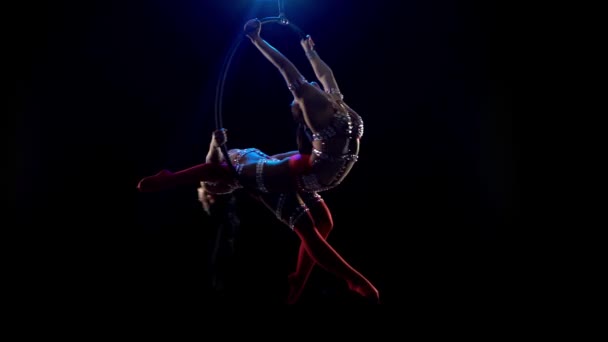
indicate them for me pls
(287, 207)
(336, 146)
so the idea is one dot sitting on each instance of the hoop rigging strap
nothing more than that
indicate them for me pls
(219, 92)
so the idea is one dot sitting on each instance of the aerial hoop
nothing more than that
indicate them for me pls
(282, 20)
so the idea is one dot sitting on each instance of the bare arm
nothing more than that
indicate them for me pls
(287, 69)
(215, 155)
(317, 108)
(322, 71)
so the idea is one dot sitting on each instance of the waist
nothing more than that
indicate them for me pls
(336, 147)
(342, 157)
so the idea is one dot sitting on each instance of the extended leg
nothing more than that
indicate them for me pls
(305, 264)
(325, 255)
(165, 179)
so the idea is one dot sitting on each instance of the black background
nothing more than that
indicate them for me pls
(111, 91)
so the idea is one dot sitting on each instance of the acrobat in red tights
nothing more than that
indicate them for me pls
(305, 212)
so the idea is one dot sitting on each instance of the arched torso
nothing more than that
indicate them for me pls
(288, 206)
(335, 148)
(246, 156)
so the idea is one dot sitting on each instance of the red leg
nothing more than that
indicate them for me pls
(327, 257)
(305, 264)
(165, 179)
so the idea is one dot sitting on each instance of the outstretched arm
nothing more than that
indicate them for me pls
(316, 106)
(322, 71)
(287, 69)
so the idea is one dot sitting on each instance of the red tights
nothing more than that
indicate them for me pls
(312, 233)
(165, 179)
(315, 249)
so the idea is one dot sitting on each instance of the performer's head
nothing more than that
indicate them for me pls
(222, 188)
